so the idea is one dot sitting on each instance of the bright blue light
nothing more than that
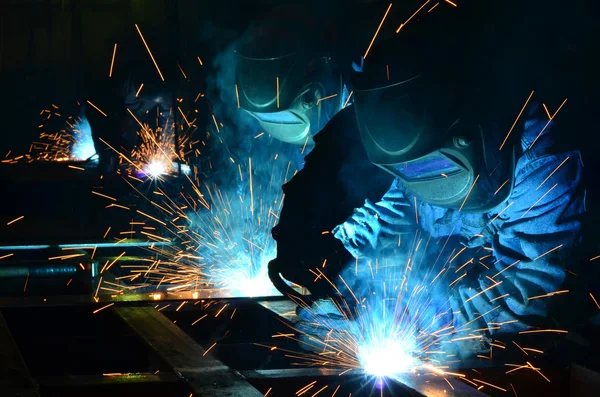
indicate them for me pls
(82, 147)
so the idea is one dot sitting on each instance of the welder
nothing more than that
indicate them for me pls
(440, 128)
(292, 77)
(131, 84)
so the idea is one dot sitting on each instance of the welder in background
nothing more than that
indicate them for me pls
(292, 77)
(131, 83)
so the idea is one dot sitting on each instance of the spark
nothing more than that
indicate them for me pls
(547, 124)
(412, 16)
(182, 72)
(139, 90)
(15, 220)
(327, 97)
(377, 31)
(201, 318)
(516, 120)
(348, 99)
(76, 168)
(501, 212)
(489, 384)
(62, 257)
(549, 251)
(112, 62)
(6, 256)
(102, 308)
(594, 258)
(552, 173)
(540, 199)
(104, 195)
(149, 52)
(237, 95)
(468, 194)
(432, 8)
(591, 295)
(106, 233)
(506, 268)
(547, 112)
(538, 371)
(200, 61)
(209, 349)
(451, 3)
(558, 331)
(485, 290)
(97, 108)
(501, 186)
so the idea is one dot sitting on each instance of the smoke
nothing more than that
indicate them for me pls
(242, 188)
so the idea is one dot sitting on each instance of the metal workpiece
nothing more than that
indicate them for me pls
(410, 384)
(206, 375)
(15, 379)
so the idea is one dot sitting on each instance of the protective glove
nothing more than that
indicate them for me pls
(373, 227)
(323, 326)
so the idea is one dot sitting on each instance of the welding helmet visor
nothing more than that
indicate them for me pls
(436, 160)
(284, 94)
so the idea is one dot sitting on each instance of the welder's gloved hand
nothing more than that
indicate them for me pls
(373, 227)
(322, 326)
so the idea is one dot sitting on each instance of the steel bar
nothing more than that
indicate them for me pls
(141, 296)
(14, 375)
(429, 385)
(206, 375)
(107, 379)
(135, 243)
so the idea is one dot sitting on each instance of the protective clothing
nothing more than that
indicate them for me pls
(543, 212)
(335, 180)
(284, 74)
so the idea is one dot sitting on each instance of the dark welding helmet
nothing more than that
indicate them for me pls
(412, 127)
(283, 77)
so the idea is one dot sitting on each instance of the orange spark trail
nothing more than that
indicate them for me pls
(15, 220)
(377, 32)
(516, 120)
(209, 349)
(112, 62)
(150, 53)
(102, 308)
(412, 16)
(595, 301)
(327, 97)
(552, 173)
(97, 108)
(501, 186)
(432, 8)
(547, 124)
(237, 95)
(139, 90)
(104, 195)
(540, 199)
(453, 4)
(348, 99)
(468, 194)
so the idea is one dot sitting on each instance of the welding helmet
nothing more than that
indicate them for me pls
(286, 78)
(415, 124)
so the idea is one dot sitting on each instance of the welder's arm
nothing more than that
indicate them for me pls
(532, 246)
(376, 226)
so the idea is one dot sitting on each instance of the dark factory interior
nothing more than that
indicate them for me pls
(299, 198)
